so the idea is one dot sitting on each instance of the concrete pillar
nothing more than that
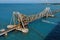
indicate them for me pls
(5, 34)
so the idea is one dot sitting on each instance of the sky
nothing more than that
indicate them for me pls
(29, 1)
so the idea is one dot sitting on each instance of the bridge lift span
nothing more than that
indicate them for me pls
(23, 20)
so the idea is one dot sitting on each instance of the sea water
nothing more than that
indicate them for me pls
(38, 29)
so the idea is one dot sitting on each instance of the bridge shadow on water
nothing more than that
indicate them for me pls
(54, 34)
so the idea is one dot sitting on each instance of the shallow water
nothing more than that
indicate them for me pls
(38, 30)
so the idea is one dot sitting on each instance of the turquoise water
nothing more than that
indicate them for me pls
(38, 30)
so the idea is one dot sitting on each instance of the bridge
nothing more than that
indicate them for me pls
(6, 31)
(45, 13)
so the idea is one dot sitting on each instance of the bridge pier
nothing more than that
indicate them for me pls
(6, 34)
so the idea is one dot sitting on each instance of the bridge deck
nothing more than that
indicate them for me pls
(6, 31)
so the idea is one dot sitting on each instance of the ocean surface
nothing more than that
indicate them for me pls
(38, 29)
